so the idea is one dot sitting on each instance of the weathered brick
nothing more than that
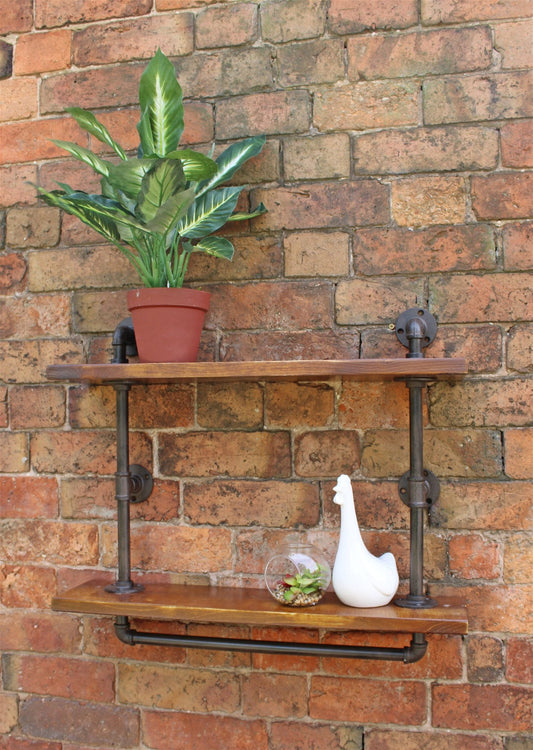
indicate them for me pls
(255, 258)
(287, 20)
(279, 306)
(518, 246)
(390, 739)
(316, 206)
(50, 541)
(14, 457)
(6, 59)
(16, 17)
(517, 144)
(418, 201)
(12, 272)
(55, 13)
(494, 608)
(31, 141)
(79, 268)
(36, 406)
(230, 72)
(319, 157)
(491, 297)
(466, 99)
(299, 404)
(32, 317)
(21, 743)
(27, 586)
(484, 658)
(327, 344)
(95, 312)
(18, 99)
(366, 105)
(15, 184)
(482, 403)
(178, 688)
(474, 556)
(426, 150)
(99, 87)
(24, 361)
(518, 558)
(247, 503)
(173, 730)
(436, 249)
(8, 712)
(44, 632)
(502, 196)
(39, 53)
(317, 254)
(226, 26)
(419, 53)
(81, 679)
(487, 505)
(263, 114)
(68, 720)
(32, 227)
(520, 348)
(519, 660)
(291, 734)
(100, 640)
(482, 707)
(133, 39)
(513, 42)
(368, 15)
(326, 453)
(364, 301)
(367, 700)
(311, 62)
(458, 11)
(226, 405)
(245, 454)
(364, 405)
(275, 695)
(456, 453)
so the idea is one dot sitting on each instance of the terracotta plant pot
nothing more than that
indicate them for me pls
(168, 323)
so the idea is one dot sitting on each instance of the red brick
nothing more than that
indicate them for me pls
(158, 547)
(226, 26)
(45, 632)
(250, 503)
(457, 11)
(267, 345)
(518, 246)
(37, 226)
(311, 62)
(275, 695)
(72, 172)
(15, 184)
(390, 739)
(81, 679)
(56, 13)
(298, 404)
(100, 640)
(437, 249)
(6, 59)
(484, 658)
(3, 408)
(22, 361)
(133, 39)
(513, 42)
(21, 743)
(95, 312)
(377, 505)
(494, 608)
(14, 457)
(518, 559)
(366, 405)
(292, 19)
(470, 99)
(181, 731)
(291, 735)
(326, 453)
(62, 719)
(31, 141)
(178, 688)
(38, 53)
(490, 505)
(26, 586)
(367, 15)
(502, 196)
(230, 405)
(263, 114)
(519, 661)
(421, 201)
(317, 157)
(50, 541)
(494, 707)
(255, 258)
(370, 301)
(312, 206)
(8, 713)
(517, 144)
(285, 662)
(15, 16)
(317, 254)
(419, 53)
(480, 298)
(520, 348)
(426, 150)
(367, 700)
(482, 403)
(366, 105)
(33, 317)
(474, 556)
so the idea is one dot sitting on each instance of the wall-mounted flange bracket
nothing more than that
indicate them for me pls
(431, 487)
(141, 482)
(416, 328)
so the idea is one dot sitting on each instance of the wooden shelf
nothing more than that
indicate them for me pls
(211, 604)
(364, 369)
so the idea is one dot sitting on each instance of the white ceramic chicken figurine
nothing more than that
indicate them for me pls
(359, 578)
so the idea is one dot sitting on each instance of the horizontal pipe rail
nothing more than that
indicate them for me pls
(407, 654)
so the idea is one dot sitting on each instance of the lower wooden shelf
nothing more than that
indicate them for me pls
(213, 604)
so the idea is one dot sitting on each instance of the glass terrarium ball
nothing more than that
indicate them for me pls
(297, 575)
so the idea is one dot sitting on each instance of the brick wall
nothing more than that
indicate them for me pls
(395, 174)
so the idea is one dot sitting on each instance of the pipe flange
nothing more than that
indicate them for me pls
(432, 489)
(141, 483)
(422, 318)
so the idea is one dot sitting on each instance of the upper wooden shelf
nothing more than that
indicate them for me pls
(364, 369)
(214, 604)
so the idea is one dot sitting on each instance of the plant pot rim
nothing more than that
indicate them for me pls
(164, 296)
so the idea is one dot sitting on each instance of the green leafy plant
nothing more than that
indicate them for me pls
(164, 203)
(304, 587)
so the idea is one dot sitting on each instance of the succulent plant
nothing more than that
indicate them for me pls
(304, 588)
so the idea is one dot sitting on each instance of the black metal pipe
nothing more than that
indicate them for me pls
(408, 654)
